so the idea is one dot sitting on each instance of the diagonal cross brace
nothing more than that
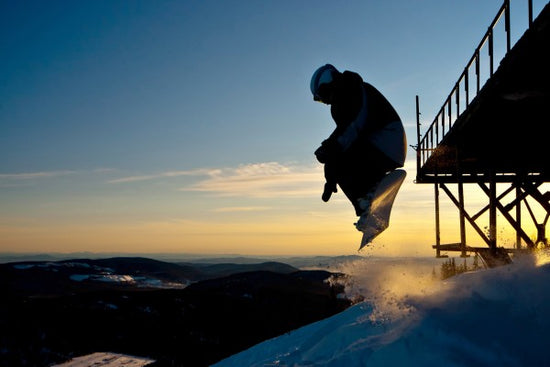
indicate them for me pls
(466, 215)
(508, 217)
(537, 195)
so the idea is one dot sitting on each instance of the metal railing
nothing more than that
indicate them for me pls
(463, 92)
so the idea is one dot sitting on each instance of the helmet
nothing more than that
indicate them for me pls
(324, 75)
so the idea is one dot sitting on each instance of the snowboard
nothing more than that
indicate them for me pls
(377, 219)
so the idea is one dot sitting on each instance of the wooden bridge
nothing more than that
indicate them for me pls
(495, 133)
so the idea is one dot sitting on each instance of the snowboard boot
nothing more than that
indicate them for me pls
(364, 205)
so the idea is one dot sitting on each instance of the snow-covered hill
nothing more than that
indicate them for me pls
(498, 317)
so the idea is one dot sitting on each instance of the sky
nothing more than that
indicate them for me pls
(189, 127)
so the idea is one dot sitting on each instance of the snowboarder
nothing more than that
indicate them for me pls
(369, 140)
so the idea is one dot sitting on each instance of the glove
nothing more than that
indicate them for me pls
(329, 150)
(329, 189)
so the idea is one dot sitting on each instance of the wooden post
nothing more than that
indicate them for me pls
(507, 25)
(518, 217)
(418, 148)
(530, 2)
(437, 223)
(492, 213)
(462, 218)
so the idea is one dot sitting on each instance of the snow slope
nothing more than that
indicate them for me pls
(497, 317)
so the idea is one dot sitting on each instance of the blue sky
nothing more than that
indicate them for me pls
(141, 111)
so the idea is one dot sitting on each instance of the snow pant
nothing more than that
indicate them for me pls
(357, 174)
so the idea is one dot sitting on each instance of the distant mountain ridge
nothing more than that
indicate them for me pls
(296, 261)
(52, 311)
(59, 277)
(225, 269)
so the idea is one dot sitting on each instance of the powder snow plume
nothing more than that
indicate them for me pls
(495, 317)
(388, 284)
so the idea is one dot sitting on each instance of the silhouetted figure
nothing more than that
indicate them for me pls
(368, 142)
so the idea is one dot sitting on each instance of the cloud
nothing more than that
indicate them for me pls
(197, 172)
(133, 179)
(104, 170)
(26, 179)
(235, 209)
(270, 180)
(33, 175)
(262, 180)
(258, 180)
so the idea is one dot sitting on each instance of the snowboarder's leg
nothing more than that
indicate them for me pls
(358, 176)
(357, 187)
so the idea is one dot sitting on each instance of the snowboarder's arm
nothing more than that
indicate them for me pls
(342, 139)
(352, 131)
(330, 150)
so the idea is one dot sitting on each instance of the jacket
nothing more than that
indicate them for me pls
(364, 116)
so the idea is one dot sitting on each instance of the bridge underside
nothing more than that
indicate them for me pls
(502, 137)
(505, 128)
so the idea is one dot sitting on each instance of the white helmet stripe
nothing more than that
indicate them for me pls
(321, 76)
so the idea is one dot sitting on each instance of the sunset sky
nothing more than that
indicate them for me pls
(188, 126)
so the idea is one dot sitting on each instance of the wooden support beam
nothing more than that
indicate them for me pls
(437, 223)
(537, 195)
(493, 214)
(500, 197)
(508, 217)
(462, 216)
(518, 219)
(466, 216)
